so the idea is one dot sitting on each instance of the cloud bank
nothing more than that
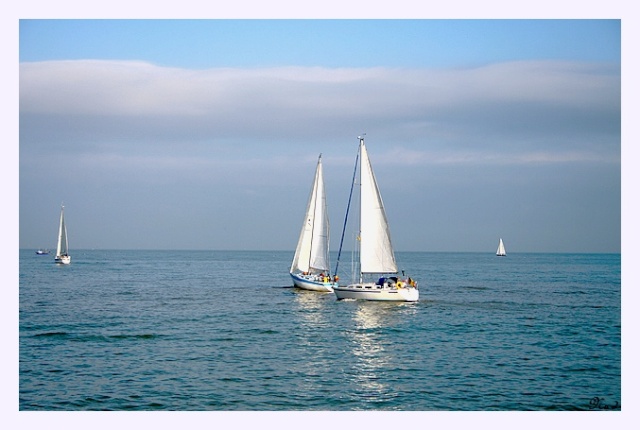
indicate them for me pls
(522, 107)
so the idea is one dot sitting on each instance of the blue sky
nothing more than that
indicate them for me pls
(201, 44)
(204, 134)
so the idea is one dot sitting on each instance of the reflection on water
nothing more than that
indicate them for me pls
(370, 353)
(371, 362)
(311, 305)
(312, 334)
(374, 357)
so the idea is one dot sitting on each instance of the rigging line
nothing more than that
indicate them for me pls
(346, 215)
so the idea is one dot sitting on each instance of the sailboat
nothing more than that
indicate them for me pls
(62, 251)
(376, 256)
(501, 252)
(310, 268)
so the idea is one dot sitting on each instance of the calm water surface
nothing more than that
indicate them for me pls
(224, 331)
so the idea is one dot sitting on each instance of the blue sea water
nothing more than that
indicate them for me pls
(224, 331)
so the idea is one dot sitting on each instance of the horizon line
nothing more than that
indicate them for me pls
(293, 251)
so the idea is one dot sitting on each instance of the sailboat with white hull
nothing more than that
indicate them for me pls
(310, 269)
(376, 256)
(501, 252)
(62, 251)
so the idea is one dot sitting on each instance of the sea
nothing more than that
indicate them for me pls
(226, 331)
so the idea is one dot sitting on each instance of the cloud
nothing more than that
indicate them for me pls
(116, 100)
(415, 157)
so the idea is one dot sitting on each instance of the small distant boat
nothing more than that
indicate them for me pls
(501, 252)
(376, 256)
(62, 251)
(310, 268)
(42, 252)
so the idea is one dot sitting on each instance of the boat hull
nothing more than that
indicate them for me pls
(377, 293)
(309, 283)
(63, 259)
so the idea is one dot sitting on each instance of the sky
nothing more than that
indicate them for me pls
(204, 134)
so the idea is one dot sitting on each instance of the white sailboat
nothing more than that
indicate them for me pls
(376, 256)
(501, 252)
(310, 268)
(62, 251)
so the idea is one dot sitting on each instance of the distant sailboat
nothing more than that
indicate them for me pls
(62, 251)
(310, 267)
(376, 254)
(501, 252)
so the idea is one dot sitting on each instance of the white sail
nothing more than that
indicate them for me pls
(62, 236)
(376, 251)
(501, 251)
(312, 252)
(62, 250)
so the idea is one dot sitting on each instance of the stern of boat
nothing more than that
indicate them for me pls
(64, 259)
(375, 292)
(308, 283)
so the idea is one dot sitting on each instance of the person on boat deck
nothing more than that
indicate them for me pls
(381, 280)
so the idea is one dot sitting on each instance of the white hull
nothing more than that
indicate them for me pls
(65, 259)
(372, 291)
(308, 282)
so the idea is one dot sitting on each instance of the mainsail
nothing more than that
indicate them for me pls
(63, 247)
(312, 252)
(501, 251)
(376, 251)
